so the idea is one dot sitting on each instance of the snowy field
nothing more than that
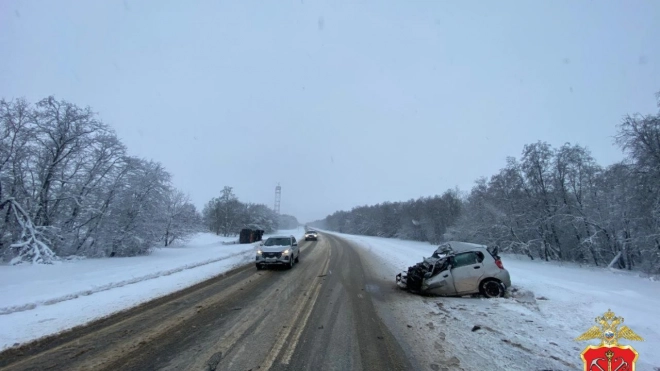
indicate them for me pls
(534, 329)
(40, 300)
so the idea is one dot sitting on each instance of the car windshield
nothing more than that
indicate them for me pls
(442, 250)
(284, 241)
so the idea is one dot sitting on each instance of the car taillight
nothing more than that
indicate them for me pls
(499, 264)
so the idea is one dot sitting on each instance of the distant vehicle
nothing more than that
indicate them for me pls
(457, 269)
(311, 235)
(278, 251)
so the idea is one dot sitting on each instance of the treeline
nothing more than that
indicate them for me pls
(68, 187)
(287, 222)
(424, 219)
(551, 203)
(226, 215)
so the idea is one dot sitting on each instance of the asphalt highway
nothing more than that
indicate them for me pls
(320, 315)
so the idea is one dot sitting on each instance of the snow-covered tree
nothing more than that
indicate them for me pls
(424, 219)
(68, 187)
(182, 218)
(554, 204)
(226, 215)
(287, 222)
(260, 217)
(223, 214)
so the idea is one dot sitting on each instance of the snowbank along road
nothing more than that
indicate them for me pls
(319, 315)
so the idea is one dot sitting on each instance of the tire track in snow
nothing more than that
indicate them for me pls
(113, 285)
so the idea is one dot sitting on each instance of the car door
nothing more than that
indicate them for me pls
(294, 247)
(467, 270)
(441, 284)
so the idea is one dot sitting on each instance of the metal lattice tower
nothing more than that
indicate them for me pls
(278, 198)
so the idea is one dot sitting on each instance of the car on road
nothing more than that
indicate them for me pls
(458, 269)
(278, 251)
(311, 236)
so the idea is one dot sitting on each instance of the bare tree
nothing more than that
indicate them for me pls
(226, 215)
(181, 217)
(67, 187)
(556, 204)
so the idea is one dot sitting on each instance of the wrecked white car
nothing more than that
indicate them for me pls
(458, 269)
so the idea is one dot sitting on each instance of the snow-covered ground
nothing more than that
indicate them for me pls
(40, 300)
(535, 328)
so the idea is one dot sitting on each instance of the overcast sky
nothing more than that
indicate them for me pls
(343, 103)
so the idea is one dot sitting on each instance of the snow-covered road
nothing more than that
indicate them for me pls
(534, 329)
(40, 300)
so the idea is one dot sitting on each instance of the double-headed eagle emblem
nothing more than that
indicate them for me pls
(608, 331)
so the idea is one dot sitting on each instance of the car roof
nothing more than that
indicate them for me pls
(280, 237)
(458, 246)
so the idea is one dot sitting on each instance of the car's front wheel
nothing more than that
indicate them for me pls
(491, 288)
(298, 258)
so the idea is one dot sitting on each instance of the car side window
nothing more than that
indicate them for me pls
(293, 240)
(480, 256)
(466, 258)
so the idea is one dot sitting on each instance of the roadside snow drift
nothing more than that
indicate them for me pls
(40, 300)
(550, 305)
